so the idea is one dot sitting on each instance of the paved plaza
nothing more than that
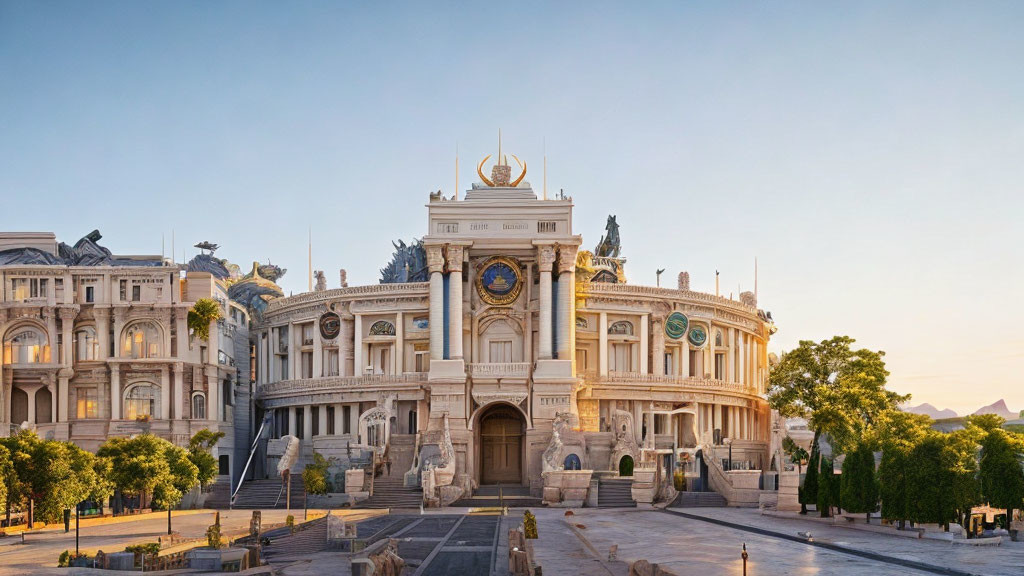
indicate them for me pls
(694, 541)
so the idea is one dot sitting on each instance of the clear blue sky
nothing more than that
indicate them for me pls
(870, 155)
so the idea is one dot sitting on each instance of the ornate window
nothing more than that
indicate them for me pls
(142, 340)
(198, 406)
(382, 328)
(87, 403)
(141, 400)
(622, 327)
(26, 345)
(87, 345)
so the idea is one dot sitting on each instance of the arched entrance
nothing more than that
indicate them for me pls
(19, 406)
(44, 406)
(501, 445)
(626, 466)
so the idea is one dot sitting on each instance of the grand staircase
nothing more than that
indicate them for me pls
(495, 495)
(699, 500)
(615, 493)
(263, 494)
(219, 496)
(392, 493)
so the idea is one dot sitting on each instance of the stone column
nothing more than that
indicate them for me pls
(338, 430)
(51, 334)
(213, 395)
(358, 364)
(658, 326)
(318, 353)
(115, 392)
(566, 297)
(67, 320)
(399, 343)
(165, 393)
(118, 327)
(52, 387)
(32, 416)
(294, 347)
(322, 415)
(742, 372)
(179, 391)
(602, 343)
(455, 257)
(291, 420)
(435, 264)
(102, 316)
(644, 337)
(307, 423)
(61, 398)
(684, 350)
(545, 259)
(345, 345)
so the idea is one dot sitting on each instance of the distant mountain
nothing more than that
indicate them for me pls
(930, 411)
(999, 409)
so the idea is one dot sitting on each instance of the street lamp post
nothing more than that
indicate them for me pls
(78, 512)
(744, 556)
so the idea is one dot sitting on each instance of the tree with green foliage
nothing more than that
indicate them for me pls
(1002, 477)
(181, 478)
(6, 477)
(138, 464)
(314, 476)
(961, 457)
(808, 493)
(202, 313)
(200, 452)
(53, 476)
(841, 391)
(929, 482)
(858, 486)
(827, 493)
(797, 455)
(897, 433)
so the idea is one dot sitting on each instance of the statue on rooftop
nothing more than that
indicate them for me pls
(609, 246)
(254, 290)
(321, 281)
(408, 264)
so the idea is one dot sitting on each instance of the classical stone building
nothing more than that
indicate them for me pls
(97, 345)
(497, 328)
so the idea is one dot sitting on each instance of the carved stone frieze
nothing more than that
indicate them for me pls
(482, 398)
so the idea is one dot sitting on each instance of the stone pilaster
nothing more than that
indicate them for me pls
(454, 257)
(658, 327)
(115, 392)
(566, 297)
(435, 264)
(545, 260)
(346, 341)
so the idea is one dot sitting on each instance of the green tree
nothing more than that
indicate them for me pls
(962, 448)
(797, 455)
(826, 492)
(808, 493)
(202, 313)
(986, 422)
(314, 476)
(1002, 478)
(6, 476)
(929, 482)
(200, 452)
(841, 391)
(181, 478)
(858, 486)
(897, 433)
(53, 476)
(137, 465)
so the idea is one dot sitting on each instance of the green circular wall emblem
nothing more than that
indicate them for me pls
(675, 325)
(698, 336)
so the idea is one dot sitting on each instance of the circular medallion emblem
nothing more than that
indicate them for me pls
(330, 325)
(499, 281)
(675, 325)
(698, 336)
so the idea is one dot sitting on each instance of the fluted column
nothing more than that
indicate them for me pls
(602, 344)
(338, 430)
(658, 326)
(566, 294)
(307, 423)
(321, 414)
(291, 421)
(435, 264)
(179, 391)
(545, 259)
(346, 344)
(115, 392)
(454, 257)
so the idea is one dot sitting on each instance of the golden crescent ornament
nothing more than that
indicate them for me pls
(480, 171)
(521, 176)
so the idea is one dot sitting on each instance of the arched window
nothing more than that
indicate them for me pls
(88, 347)
(198, 406)
(142, 340)
(141, 400)
(622, 327)
(718, 337)
(26, 345)
(382, 328)
(572, 462)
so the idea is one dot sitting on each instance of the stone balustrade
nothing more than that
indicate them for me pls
(670, 380)
(342, 293)
(307, 385)
(500, 370)
(671, 294)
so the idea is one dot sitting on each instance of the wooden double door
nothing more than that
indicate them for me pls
(501, 446)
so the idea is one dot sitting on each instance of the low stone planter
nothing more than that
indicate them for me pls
(566, 488)
(225, 559)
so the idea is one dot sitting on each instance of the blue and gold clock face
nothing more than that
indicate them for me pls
(698, 336)
(499, 281)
